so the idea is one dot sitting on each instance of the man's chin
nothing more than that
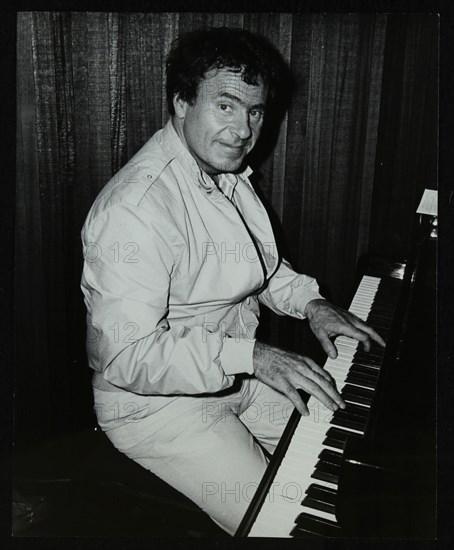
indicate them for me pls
(232, 165)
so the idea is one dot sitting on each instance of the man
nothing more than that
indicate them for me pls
(179, 251)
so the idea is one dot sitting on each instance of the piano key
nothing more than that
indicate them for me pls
(312, 524)
(319, 505)
(315, 449)
(348, 423)
(363, 358)
(331, 457)
(361, 392)
(354, 410)
(322, 493)
(363, 370)
(333, 444)
(326, 472)
(339, 435)
(356, 399)
(317, 512)
(361, 381)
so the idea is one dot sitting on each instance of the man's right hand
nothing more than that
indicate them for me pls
(287, 372)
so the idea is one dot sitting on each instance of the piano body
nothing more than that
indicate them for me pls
(369, 470)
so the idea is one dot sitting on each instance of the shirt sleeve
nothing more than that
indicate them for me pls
(237, 354)
(289, 292)
(126, 279)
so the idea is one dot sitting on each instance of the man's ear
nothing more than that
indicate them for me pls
(180, 106)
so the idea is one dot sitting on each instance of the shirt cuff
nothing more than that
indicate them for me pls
(304, 290)
(236, 356)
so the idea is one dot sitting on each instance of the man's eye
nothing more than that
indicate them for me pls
(224, 107)
(256, 113)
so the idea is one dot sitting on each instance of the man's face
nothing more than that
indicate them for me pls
(223, 124)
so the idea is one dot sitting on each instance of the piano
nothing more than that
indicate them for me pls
(368, 470)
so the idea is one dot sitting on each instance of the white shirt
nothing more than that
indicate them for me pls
(173, 272)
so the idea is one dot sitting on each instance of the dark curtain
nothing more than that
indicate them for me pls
(353, 154)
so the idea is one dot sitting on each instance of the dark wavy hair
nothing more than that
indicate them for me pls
(196, 52)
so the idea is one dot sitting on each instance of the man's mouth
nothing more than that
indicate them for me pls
(237, 148)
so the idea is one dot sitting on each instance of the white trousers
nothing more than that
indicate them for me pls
(207, 447)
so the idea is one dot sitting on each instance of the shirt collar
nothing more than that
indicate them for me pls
(227, 181)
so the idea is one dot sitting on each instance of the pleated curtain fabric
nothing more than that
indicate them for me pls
(91, 91)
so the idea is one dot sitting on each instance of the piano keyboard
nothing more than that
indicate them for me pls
(301, 500)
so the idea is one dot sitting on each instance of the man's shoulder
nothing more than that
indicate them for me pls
(136, 179)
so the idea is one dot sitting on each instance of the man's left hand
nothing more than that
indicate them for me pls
(328, 321)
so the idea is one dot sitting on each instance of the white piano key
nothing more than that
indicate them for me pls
(277, 518)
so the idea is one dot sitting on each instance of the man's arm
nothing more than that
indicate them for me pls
(287, 372)
(127, 275)
(328, 321)
(290, 293)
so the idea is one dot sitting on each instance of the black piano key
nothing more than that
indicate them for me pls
(352, 415)
(376, 347)
(336, 443)
(330, 456)
(307, 523)
(374, 368)
(373, 372)
(349, 397)
(362, 370)
(363, 359)
(360, 392)
(381, 327)
(383, 317)
(365, 372)
(320, 492)
(383, 314)
(384, 302)
(356, 410)
(347, 423)
(325, 476)
(326, 472)
(362, 381)
(319, 505)
(375, 350)
(380, 324)
(382, 311)
(338, 435)
(373, 358)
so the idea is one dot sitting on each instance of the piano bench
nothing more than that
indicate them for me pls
(105, 465)
(105, 491)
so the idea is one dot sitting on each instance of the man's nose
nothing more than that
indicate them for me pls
(241, 126)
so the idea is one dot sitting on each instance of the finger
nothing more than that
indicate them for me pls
(295, 398)
(314, 388)
(356, 333)
(375, 336)
(313, 365)
(329, 388)
(361, 325)
(327, 345)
